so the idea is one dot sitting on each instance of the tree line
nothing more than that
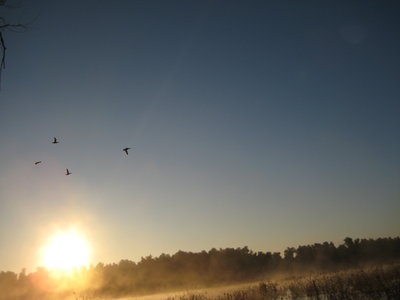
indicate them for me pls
(185, 270)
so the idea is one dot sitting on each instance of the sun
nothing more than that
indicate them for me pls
(65, 251)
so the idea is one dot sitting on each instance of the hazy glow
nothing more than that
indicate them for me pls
(66, 250)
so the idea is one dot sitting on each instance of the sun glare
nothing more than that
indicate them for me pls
(65, 251)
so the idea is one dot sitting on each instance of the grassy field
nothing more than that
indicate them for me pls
(378, 282)
(370, 283)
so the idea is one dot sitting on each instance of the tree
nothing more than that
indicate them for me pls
(6, 25)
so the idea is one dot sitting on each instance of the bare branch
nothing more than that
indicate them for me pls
(14, 5)
(3, 58)
(5, 25)
(12, 26)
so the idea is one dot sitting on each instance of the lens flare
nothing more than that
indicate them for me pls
(65, 251)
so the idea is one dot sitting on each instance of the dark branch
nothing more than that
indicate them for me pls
(3, 50)
(14, 5)
(3, 47)
(5, 25)
(12, 26)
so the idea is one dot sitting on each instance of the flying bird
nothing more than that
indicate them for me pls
(68, 172)
(55, 141)
(38, 162)
(126, 150)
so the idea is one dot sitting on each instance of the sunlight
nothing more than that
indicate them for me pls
(65, 251)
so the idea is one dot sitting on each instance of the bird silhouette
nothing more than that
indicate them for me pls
(126, 150)
(38, 162)
(55, 141)
(68, 172)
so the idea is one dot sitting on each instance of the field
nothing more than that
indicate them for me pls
(381, 282)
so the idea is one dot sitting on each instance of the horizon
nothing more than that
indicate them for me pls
(143, 258)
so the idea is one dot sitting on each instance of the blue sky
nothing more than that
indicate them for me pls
(259, 123)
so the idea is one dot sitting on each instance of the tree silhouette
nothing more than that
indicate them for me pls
(203, 269)
(6, 25)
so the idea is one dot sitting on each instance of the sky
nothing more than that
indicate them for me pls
(265, 124)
